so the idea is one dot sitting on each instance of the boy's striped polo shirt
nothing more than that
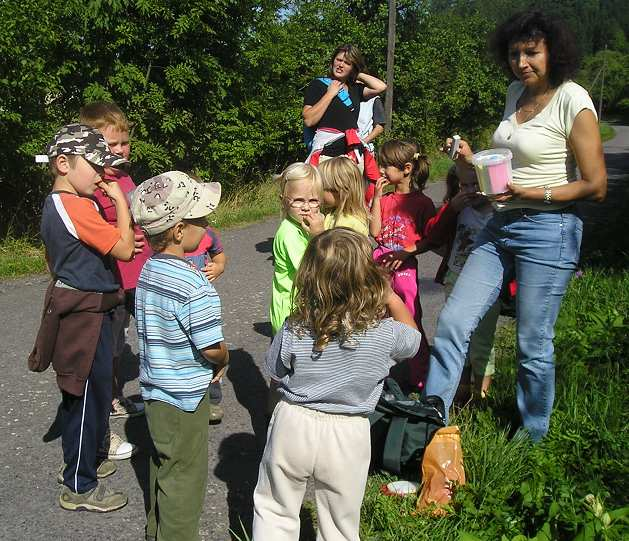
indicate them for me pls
(178, 313)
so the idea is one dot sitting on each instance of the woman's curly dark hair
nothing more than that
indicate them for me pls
(534, 25)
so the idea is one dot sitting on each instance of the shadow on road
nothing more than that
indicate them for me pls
(263, 328)
(54, 430)
(136, 431)
(239, 458)
(128, 369)
(251, 390)
(239, 454)
(265, 246)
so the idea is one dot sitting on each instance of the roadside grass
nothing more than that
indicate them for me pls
(439, 165)
(571, 486)
(607, 131)
(20, 256)
(242, 205)
(247, 204)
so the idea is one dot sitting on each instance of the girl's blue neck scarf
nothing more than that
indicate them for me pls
(343, 94)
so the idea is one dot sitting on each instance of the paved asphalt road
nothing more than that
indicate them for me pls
(30, 450)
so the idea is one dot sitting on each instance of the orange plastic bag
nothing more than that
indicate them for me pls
(442, 470)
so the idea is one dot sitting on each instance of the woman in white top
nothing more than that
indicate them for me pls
(550, 126)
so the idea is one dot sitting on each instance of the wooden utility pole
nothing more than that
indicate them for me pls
(388, 100)
(600, 100)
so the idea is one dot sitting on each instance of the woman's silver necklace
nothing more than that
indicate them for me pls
(532, 111)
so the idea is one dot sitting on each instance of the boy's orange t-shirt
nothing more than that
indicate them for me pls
(78, 241)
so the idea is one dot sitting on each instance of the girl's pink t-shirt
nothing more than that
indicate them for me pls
(206, 243)
(403, 217)
(128, 271)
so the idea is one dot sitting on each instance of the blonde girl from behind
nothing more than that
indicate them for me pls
(343, 193)
(300, 194)
(328, 360)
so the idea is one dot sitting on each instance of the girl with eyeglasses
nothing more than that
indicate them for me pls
(300, 193)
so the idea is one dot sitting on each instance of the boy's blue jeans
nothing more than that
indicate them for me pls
(541, 248)
(85, 418)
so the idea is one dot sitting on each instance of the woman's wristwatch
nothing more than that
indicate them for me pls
(548, 195)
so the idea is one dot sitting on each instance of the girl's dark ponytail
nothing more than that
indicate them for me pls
(421, 170)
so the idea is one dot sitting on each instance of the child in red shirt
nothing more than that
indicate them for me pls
(210, 259)
(112, 123)
(397, 222)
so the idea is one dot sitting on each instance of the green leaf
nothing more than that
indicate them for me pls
(464, 536)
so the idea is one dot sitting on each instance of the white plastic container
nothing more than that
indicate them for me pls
(402, 488)
(493, 169)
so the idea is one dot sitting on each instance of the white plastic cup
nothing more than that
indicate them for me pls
(493, 169)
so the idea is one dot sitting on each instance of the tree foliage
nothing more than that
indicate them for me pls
(216, 86)
(614, 66)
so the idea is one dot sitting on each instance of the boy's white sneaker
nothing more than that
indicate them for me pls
(115, 448)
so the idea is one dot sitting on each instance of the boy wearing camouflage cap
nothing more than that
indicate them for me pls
(181, 348)
(79, 243)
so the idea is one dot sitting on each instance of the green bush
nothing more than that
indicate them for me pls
(216, 87)
(623, 106)
(616, 76)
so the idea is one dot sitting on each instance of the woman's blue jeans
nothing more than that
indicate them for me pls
(539, 248)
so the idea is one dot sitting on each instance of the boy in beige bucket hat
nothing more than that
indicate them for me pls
(181, 348)
(162, 201)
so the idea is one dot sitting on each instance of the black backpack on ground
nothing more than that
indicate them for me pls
(401, 428)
